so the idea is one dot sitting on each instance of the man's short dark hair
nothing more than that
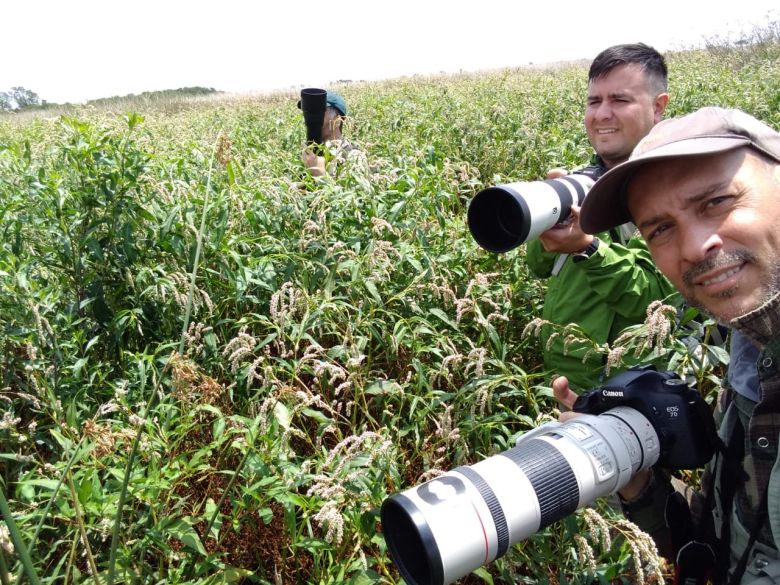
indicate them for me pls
(650, 60)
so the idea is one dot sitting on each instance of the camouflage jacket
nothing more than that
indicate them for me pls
(760, 467)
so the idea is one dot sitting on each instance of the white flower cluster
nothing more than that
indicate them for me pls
(238, 348)
(331, 485)
(5, 540)
(8, 421)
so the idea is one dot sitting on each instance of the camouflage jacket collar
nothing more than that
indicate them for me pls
(762, 325)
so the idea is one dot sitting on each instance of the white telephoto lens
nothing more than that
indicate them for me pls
(445, 528)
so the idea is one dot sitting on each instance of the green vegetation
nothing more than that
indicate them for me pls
(215, 369)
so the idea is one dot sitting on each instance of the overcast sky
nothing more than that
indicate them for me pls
(74, 50)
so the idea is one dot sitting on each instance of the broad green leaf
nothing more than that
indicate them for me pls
(230, 175)
(719, 353)
(383, 387)
(282, 415)
(78, 366)
(372, 290)
(211, 507)
(444, 317)
(183, 530)
(484, 574)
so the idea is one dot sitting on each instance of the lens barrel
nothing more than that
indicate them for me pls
(313, 106)
(503, 217)
(445, 528)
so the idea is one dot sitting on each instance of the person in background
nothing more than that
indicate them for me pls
(704, 191)
(332, 137)
(602, 283)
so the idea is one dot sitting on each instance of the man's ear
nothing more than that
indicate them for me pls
(660, 106)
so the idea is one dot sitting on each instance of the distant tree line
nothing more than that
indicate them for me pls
(156, 95)
(20, 98)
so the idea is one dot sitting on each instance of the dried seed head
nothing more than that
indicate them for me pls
(224, 149)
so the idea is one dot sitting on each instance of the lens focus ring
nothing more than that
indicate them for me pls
(550, 475)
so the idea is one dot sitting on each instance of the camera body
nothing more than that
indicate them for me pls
(505, 216)
(679, 415)
(445, 528)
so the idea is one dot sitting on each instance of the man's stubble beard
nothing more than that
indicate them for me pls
(770, 288)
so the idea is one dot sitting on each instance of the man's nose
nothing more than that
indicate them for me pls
(604, 110)
(699, 242)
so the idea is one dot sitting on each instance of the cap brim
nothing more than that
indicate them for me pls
(605, 205)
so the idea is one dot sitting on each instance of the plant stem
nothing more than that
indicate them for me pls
(128, 471)
(198, 248)
(82, 529)
(16, 539)
(45, 513)
(71, 562)
(4, 578)
(229, 487)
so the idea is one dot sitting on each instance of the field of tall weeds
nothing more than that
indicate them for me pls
(215, 368)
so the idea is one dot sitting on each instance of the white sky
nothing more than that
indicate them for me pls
(73, 50)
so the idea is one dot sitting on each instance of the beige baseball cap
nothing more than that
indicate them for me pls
(706, 131)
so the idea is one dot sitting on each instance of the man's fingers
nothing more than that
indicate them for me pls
(563, 393)
(557, 172)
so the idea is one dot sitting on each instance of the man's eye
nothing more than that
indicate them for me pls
(657, 232)
(717, 201)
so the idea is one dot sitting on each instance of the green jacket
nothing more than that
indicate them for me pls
(603, 294)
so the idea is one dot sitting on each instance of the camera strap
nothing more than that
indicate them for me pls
(693, 543)
(694, 564)
(696, 559)
(730, 473)
(559, 261)
(700, 557)
(739, 570)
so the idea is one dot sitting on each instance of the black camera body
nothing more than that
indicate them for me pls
(594, 172)
(678, 413)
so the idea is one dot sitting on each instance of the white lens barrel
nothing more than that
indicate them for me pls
(443, 529)
(549, 201)
(505, 216)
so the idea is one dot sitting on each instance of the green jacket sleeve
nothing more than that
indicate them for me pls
(625, 278)
(539, 261)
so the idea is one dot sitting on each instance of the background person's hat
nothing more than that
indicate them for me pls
(336, 101)
(333, 100)
(706, 131)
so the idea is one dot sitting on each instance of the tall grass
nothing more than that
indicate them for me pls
(312, 347)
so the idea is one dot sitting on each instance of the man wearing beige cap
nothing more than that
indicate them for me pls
(704, 191)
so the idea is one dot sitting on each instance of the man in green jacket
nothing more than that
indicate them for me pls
(602, 283)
